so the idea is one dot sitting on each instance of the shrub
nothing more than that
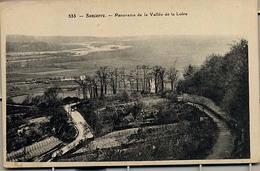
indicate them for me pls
(123, 97)
(68, 100)
(172, 97)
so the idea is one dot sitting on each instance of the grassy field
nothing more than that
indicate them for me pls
(19, 92)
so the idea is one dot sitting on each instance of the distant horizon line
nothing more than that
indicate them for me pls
(155, 35)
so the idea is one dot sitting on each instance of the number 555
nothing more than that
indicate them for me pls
(72, 15)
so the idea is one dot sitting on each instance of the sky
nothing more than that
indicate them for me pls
(47, 18)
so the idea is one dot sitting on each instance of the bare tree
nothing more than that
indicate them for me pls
(145, 69)
(172, 75)
(113, 77)
(102, 77)
(161, 76)
(92, 86)
(137, 77)
(95, 86)
(122, 75)
(131, 79)
(149, 79)
(83, 85)
(87, 85)
(159, 73)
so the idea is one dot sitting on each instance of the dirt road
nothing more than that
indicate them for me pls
(82, 128)
(224, 144)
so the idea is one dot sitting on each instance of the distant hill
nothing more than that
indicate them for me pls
(24, 43)
(54, 39)
(37, 46)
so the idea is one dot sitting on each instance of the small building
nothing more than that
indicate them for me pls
(152, 86)
(82, 77)
(67, 79)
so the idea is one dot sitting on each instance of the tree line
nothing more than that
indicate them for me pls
(224, 79)
(143, 79)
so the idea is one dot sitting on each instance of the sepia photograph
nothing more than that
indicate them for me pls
(114, 91)
(127, 98)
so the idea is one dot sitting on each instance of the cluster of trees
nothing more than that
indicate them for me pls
(143, 79)
(109, 113)
(46, 104)
(50, 104)
(224, 79)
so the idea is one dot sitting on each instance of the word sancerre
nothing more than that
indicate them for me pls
(88, 15)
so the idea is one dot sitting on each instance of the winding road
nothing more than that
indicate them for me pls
(82, 128)
(224, 144)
